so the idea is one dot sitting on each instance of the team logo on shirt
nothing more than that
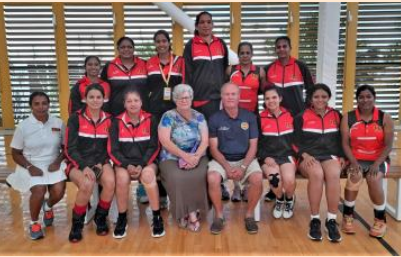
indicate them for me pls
(244, 125)
(56, 129)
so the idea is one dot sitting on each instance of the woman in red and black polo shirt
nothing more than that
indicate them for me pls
(276, 154)
(367, 139)
(248, 77)
(125, 72)
(77, 95)
(165, 70)
(86, 149)
(317, 134)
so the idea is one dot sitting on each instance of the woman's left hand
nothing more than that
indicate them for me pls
(373, 170)
(55, 166)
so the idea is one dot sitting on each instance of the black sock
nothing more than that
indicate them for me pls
(281, 199)
(156, 213)
(122, 215)
(380, 214)
(347, 210)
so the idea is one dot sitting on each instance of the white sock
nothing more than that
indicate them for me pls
(379, 207)
(331, 216)
(47, 207)
(33, 222)
(349, 204)
(317, 216)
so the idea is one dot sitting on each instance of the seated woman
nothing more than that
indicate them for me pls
(133, 146)
(276, 154)
(367, 139)
(318, 138)
(36, 148)
(183, 134)
(86, 149)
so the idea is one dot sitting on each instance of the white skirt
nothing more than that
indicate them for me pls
(22, 180)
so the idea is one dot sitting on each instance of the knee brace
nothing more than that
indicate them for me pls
(353, 186)
(274, 180)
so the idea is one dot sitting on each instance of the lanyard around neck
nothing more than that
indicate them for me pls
(166, 80)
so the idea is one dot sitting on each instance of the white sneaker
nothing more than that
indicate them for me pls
(289, 209)
(278, 209)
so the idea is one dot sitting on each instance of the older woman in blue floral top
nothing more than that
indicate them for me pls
(183, 134)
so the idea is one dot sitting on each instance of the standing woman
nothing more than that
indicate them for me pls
(36, 147)
(367, 139)
(165, 70)
(77, 95)
(183, 134)
(133, 146)
(86, 149)
(250, 79)
(206, 61)
(276, 154)
(318, 138)
(125, 72)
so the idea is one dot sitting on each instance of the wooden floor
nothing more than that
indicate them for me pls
(275, 237)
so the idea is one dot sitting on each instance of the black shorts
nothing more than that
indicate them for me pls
(384, 167)
(281, 160)
(322, 158)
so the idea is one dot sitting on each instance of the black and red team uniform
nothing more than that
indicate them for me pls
(249, 86)
(205, 66)
(318, 136)
(367, 139)
(77, 95)
(133, 144)
(276, 137)
(291, 80)
(156, 84)
(86, 141)
(120, 79)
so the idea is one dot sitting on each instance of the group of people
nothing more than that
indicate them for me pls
(193, 122)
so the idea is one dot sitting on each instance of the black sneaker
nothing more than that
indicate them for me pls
(270, 196)
(76, 228)
(315, 231)
(100, 219)
(333, 234)
(120, 231)
(158, 227)
(251, 226)
(217, 226)
(225, 195)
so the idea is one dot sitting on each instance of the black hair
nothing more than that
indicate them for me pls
(38, 93)
(363, 88)
(125, 38)
(245, 44)
(198, 19)
(267, 89)
(94, 86)
(164, 33)
(131, 91)
(283, 38)
(87, 58)
(313, 89)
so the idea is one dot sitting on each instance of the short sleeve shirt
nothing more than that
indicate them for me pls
(233, 135)
(184, 134)
(39, 142)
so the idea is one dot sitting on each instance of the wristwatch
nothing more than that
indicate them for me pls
(244, 167)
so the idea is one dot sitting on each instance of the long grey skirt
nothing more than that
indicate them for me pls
(186, 189)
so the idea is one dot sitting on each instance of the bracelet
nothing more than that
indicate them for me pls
(28, 166)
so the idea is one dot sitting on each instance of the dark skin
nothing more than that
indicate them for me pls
(366, 102)
(40, 110)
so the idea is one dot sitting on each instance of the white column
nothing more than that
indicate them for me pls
(327, 47)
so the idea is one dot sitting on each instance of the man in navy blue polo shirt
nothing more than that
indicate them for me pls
(233, 140)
